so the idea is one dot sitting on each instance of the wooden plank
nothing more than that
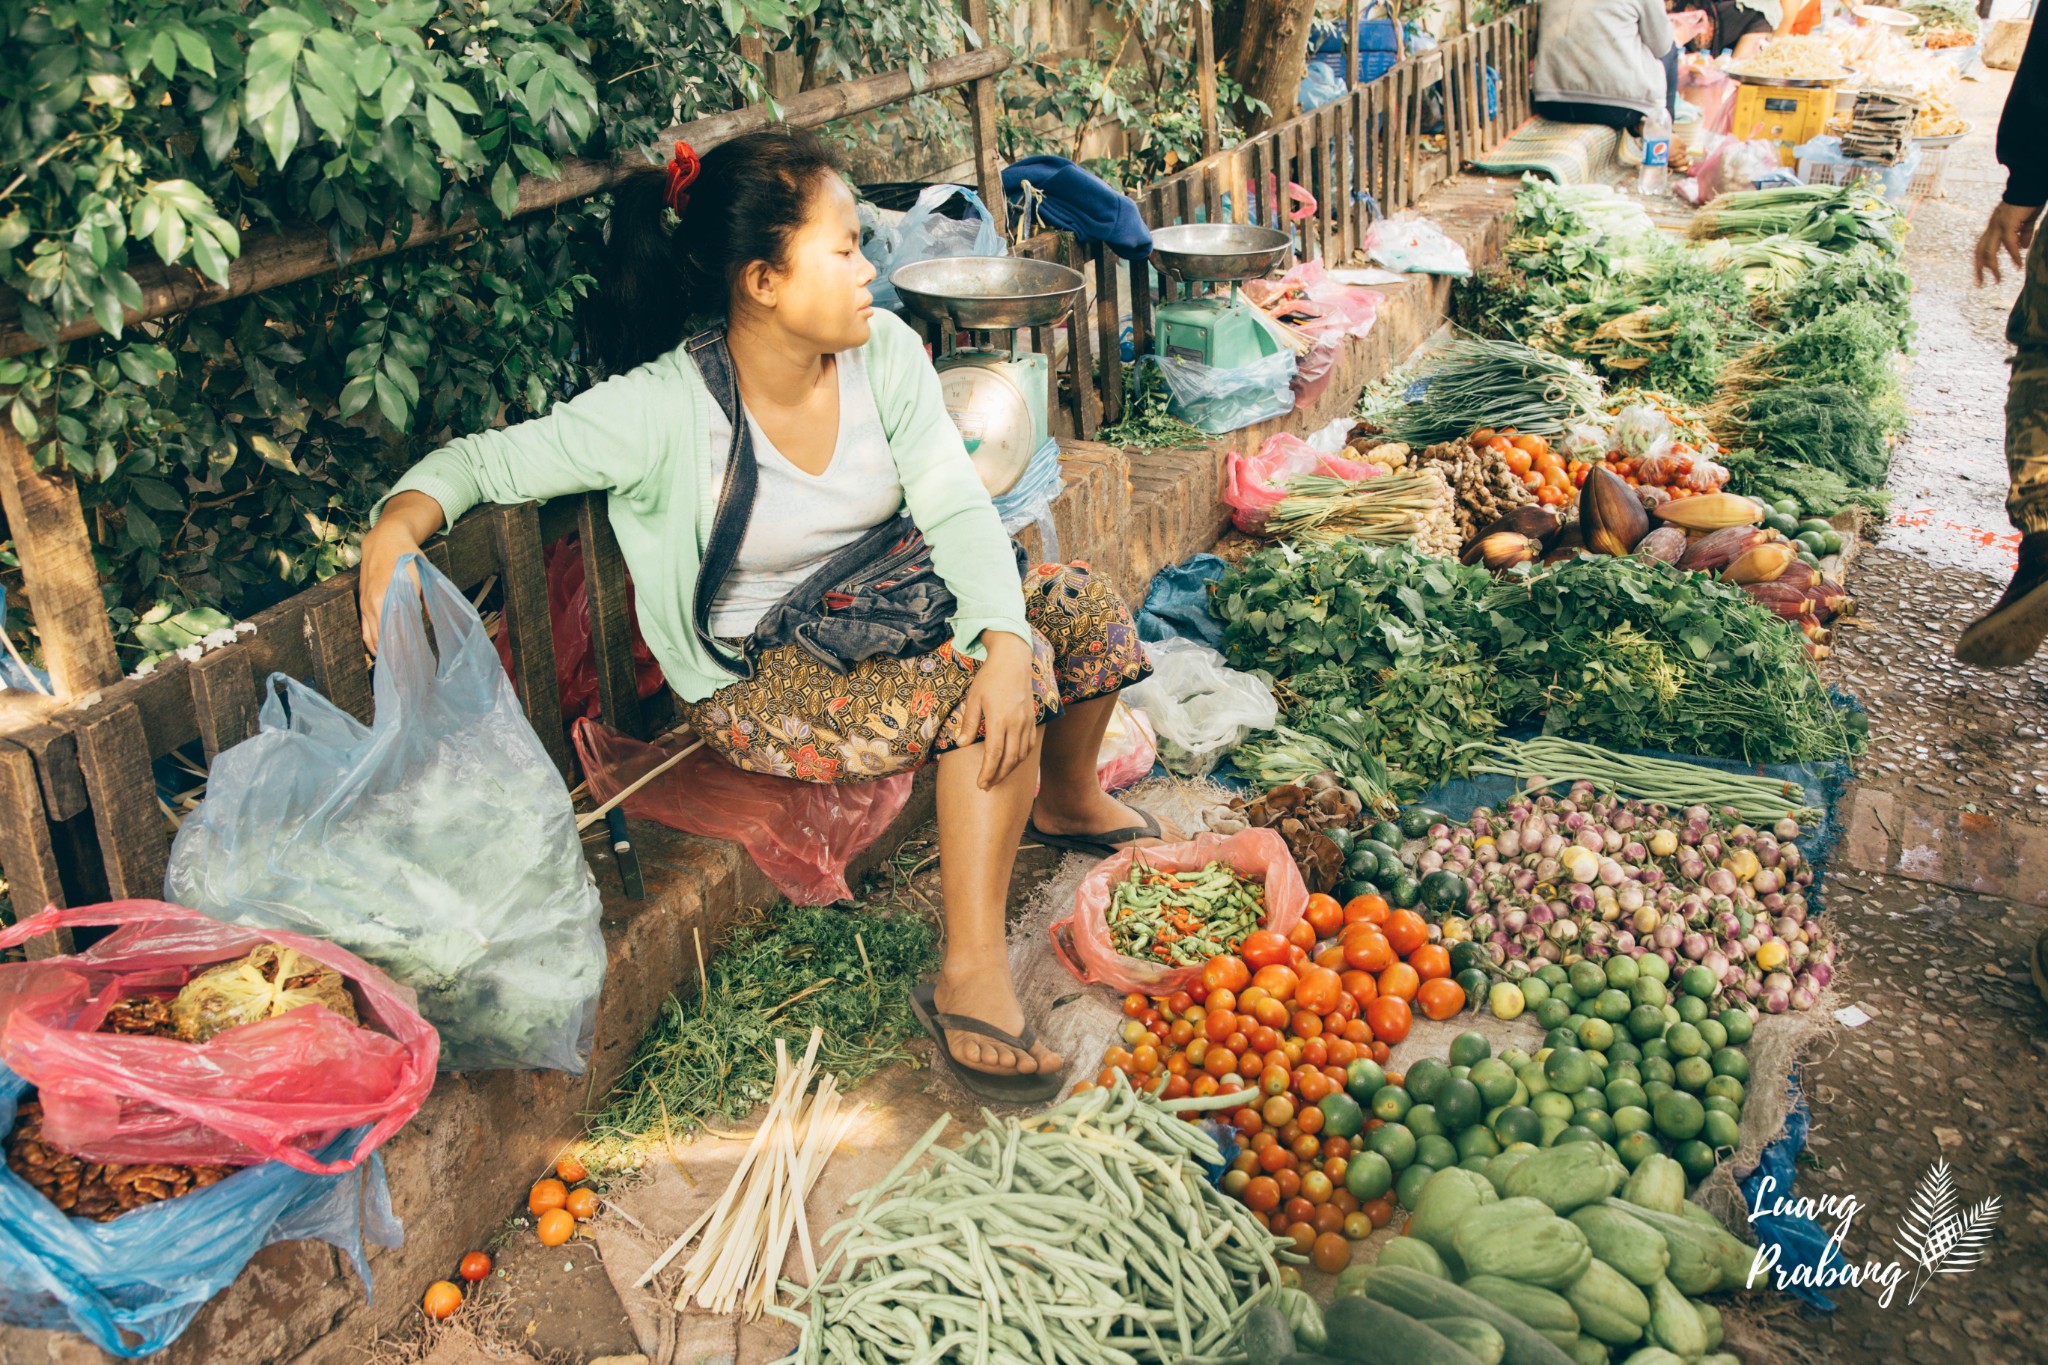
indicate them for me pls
(58, 576)
(981, 121)
(611, 622)
(274, 258)
(1205, 79)
(1141, 299)
(341, 669)
(523, 583)
(1354, 12)
(26, 853)
(224, 700)
(1109, 322)
(135, 846)
(1084, 398)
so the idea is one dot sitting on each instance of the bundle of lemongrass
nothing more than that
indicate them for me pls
(1415, 505)
(746, 1235)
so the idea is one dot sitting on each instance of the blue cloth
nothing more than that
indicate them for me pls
(1080, 202)
(1799, 1240)
(1177, 607)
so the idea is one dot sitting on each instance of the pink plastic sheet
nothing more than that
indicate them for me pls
(1254, 485)
(569, 614)
(803, 835)
(276, 1090)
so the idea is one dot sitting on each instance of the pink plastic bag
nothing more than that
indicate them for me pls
(569, 614)
(802, 835)
(1129, 748)
(1081, 940)
(275, 1090)
(1709, 89)
(1255, 485)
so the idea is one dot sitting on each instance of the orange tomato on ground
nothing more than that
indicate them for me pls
(441, 1300)
(1441, 998)
(1431, 961)
(475, 1266)
(1390, 1018)
(546, 1195)
(1225, 972)
(1262, 948)
(1324, 914)
(1368, 950)
(1371, 909)
(1302, 936)
(1278, 982)
(1399, 981)
(1317, 991)
(571, 1170)
(1406, 931)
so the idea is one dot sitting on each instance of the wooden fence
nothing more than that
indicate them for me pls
(80, 815)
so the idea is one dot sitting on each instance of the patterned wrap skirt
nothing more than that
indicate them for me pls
(797, 718)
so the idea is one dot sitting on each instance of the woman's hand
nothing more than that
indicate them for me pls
(408, 519)
(999, 701)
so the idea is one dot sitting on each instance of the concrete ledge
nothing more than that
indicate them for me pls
(463, 1164)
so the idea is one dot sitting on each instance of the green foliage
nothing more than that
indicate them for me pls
(1867, 276)
(230, 456)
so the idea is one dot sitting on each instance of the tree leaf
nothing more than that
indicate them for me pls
(447, 133)
(272, 453)
(505, 189)
(193, 49)
(280, 129)
(356, 395)
(391, 402)
(396, 95)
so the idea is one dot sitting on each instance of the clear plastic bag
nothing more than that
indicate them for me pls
(802, 835)
(1254, 485)
(925, 234)
(1129, 748)
(1682, 469)
(1732, 164)
(133, 1284)
(1199, 705)
(1640, 431)
(276, 1090)
(1082, 942)
(1319, 85)
(437, 843)
(1415, 246)
(569, 614)
(1223, 400)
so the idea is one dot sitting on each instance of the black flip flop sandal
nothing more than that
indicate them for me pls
(1033, 1088)
(1103, 845)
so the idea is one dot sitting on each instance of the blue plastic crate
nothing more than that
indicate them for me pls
(1379, 46)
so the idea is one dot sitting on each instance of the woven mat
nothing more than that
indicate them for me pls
(1569, 153)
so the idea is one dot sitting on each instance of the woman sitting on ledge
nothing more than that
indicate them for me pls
(1610, 62)
(844, 431)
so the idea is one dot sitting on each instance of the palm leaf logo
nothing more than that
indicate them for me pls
(1938, 1238)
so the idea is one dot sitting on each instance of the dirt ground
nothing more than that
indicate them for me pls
(1949, 1066)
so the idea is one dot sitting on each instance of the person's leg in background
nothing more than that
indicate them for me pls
(2011, 632)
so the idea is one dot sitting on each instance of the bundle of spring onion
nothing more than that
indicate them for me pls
(1397, 507)
(1475, 384)
(1768, 264)
(1550, 761)
(1835, 218)
(1088, 1233)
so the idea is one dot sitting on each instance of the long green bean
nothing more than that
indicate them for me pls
(1548, 761)
(957, 1261)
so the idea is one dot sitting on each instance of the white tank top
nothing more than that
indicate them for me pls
(799, 519)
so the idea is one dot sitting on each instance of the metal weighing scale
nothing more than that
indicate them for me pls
(996, 395)
(1215, 329)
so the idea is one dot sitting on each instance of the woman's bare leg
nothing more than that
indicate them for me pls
(1070, 798)
(978, 834)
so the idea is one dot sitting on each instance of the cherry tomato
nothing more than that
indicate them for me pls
(571, 1170)
(1430, 961)
(1305, 1025)
(556, 1226)
(581, 1205)
(1226, 1000)
(1315, 1052)
(1369, 951)
(1329, 1218)
(475, 1266)
(1262, 1194)
(1302, 935)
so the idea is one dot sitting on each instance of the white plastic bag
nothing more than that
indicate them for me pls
(926, 234)
(437, 843)
(1415, 246)
(1200, 706)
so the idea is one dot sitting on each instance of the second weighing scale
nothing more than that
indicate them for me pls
(997, 395)
(1219, 330)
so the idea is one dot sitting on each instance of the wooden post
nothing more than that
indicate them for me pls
(1205, 78)
(57, 573)
(25, 849)
(981, 117)
(1354, 14)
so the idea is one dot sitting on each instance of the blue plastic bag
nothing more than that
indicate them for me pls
(1177, 607)
(437, 843)
(133, 1284)
(1220, 399)
(925, 234)
(1319, 85)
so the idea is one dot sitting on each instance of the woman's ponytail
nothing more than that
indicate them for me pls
(747, 200)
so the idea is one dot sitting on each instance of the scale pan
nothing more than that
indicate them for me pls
(987, 293)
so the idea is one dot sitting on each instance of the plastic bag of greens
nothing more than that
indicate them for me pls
(1221, 399)
(437, 843)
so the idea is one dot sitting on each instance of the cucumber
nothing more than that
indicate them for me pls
(1367, 1329)
(1420, 1296)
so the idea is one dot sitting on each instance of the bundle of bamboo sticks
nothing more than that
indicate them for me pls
(746, 1235)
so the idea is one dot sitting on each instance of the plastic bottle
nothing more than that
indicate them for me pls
(1654, 178)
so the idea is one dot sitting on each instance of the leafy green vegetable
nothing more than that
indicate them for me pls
(1839, 218)
(1820, 492)
(1828, 426)
(1866, 276)
(1637, 654)
(1473, 384)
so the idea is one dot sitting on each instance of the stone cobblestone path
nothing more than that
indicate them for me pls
(1941, 885)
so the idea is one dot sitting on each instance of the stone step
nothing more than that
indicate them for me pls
(482, 1138)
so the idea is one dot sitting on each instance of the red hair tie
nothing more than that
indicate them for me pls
(682, 173)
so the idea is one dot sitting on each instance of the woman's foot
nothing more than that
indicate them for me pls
(1096, 812)
(985, 993)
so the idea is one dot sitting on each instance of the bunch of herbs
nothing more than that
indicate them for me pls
(1819, 492)
(1829, 426)
(1867, 276)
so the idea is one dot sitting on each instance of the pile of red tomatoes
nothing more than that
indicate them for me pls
(1310, 1028)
